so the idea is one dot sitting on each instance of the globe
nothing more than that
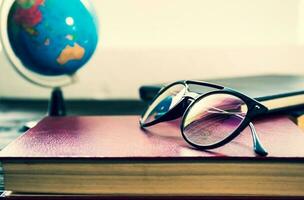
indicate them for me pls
(49, 40)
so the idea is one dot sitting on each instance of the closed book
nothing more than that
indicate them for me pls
(112, 156)
(283, 91)
(300, 121)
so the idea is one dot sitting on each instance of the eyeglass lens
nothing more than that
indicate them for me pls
(164, 103)
(213, 118)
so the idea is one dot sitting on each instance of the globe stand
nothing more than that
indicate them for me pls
(56, 104)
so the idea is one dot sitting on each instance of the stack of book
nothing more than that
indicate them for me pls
(110, 156)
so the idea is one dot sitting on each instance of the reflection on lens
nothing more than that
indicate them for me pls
(164, 102)
(213, 118)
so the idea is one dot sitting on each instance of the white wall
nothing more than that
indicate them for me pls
(163, 40)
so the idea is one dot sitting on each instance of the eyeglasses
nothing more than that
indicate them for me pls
(213, 115)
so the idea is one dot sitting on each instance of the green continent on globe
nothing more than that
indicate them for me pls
(26, 4)
(52, 37)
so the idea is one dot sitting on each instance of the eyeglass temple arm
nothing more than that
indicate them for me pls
(257, 145)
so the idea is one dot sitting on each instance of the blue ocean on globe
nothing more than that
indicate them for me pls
(52, 37)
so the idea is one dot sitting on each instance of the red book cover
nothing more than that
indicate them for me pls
(121, 137)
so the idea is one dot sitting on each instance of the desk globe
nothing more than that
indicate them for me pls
(48, 41)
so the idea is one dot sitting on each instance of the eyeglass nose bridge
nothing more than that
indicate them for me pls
(179, 109)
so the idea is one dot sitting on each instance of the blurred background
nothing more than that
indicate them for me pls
(144, 42)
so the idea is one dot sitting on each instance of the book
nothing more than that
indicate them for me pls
(282, 93)
(300, 122)
(112, 156)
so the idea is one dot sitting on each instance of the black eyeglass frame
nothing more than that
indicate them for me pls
(185, 104)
